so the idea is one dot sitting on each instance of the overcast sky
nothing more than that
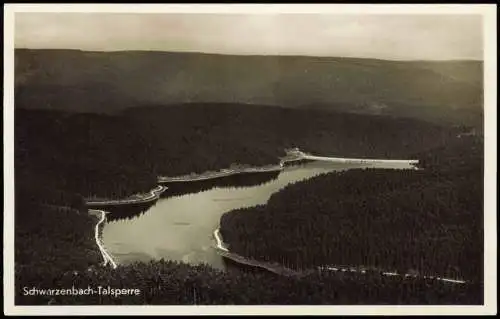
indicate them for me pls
(393, 37)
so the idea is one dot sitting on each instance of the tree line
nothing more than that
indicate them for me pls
(426, 221)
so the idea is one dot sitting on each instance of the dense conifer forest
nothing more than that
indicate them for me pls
(84, 155)
(117, 156)
(171, 283)
(55, 248)
(428, 221)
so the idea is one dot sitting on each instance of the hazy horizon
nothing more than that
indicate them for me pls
(255, 55)
(380, 37)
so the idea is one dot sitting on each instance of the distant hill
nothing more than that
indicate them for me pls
(108, 82)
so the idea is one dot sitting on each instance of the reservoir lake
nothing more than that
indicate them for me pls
(180, 225)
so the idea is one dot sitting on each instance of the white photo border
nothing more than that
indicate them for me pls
(487, 11)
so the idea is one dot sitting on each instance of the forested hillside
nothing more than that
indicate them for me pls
(62, 157)
(104, 82)
(55, 248)
(85, 154)
(205, 136)
(170, 283)
(116, 156)
(428, 221)
(51, 240)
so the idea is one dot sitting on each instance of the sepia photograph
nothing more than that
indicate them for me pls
(338, 157)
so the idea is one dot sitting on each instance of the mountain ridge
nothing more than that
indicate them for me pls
(241, 55)
(108, 82)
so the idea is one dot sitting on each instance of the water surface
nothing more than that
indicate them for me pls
(181, 227)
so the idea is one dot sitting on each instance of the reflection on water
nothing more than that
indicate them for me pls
(180, 226)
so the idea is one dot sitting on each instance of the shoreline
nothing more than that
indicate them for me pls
(153, 194)
(359, 160)
(105, 255)
(297, 156)
(225, 253)
(222, 173)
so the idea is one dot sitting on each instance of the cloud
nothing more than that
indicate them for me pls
(375, 36)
